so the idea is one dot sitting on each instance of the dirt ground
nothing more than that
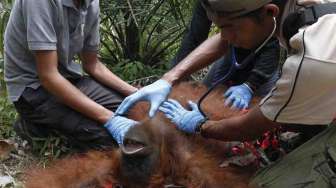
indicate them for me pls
(16, 156)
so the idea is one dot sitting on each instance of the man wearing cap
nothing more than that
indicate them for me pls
(304, 95)
(50, 89)
(255, 79)
(209, 51)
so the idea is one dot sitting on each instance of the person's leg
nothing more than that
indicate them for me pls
(40, 109)
(28, 131)
(196, 33)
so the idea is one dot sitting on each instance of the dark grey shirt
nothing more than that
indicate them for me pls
(47, 25)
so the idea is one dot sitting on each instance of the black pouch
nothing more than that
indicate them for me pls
(305, 16)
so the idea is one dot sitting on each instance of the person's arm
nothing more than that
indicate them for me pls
(157, 93)
(241, 128)
(102, 74)
(89, 55)
(209, 51)
(248, 126)
(57, 85)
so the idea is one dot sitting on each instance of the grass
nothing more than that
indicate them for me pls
(7, 118)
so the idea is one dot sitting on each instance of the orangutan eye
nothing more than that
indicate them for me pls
(131, 142)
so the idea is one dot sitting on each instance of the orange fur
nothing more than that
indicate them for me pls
(174, 157)
(94, 169)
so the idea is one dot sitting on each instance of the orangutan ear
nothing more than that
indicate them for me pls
(133, 147)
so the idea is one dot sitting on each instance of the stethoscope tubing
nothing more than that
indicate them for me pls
(234, 66)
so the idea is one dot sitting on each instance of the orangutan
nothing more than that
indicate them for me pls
(154, 155)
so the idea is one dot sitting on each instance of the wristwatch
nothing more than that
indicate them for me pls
(198, 129)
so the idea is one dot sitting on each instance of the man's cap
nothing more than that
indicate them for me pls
(232, 8)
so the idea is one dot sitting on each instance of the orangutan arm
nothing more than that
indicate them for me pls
(240, 128)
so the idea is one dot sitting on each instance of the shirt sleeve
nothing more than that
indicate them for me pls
(265, 64)
(41, 19)
(92, 39)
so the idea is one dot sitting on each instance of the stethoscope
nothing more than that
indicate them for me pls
(236, 66)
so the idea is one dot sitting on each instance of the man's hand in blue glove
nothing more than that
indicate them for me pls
(118, 127)
(155, 93)
(238, 96)
(185, 120)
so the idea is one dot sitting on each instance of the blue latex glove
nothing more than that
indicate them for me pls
(117, 126)
(185, 120)
(238, 96)
(156, 93)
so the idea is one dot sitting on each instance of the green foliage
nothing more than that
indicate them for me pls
(128, 70)
(51, 147)
(7, 117)
(142, 30)
(5, 8)
(7, 110)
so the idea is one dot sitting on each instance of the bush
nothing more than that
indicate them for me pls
(141, 34)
